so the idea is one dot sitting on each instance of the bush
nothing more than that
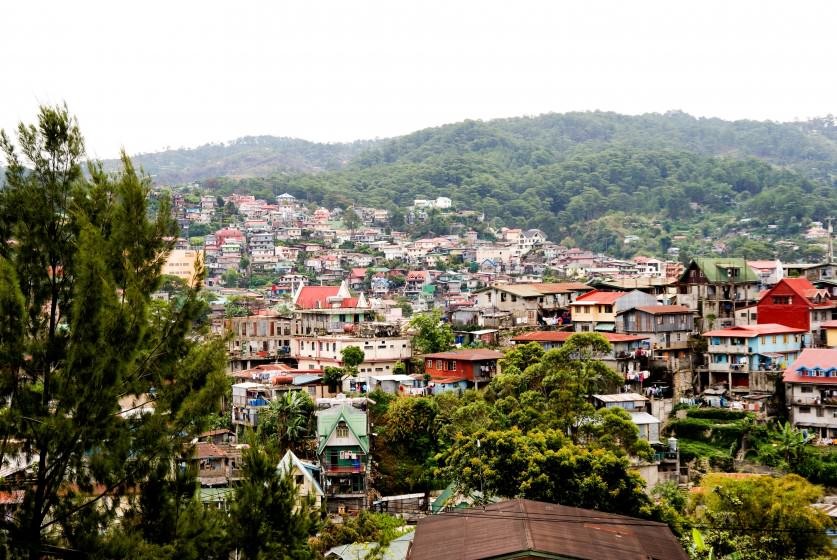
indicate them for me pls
(717, 414)
(690, 428)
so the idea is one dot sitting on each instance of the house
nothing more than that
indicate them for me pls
(526, 529)
(304, 476)
(811, 391)
(395, 550)
(748, 359)
(183, 263)
(768, 272)
(248, 399)
(631, 402)
(716, 287)
(596, 311)
(830, 328)
(532, 304)
(796, 302)
(627, 354)
(473, 366)
(667, 327)
(216, 464)
(343, 451)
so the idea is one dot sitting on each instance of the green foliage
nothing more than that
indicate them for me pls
(81, 335)
(268, 519)
(718, 414)
(595, 178)
(431, 335)
(545, 466)
(287, 421)
(333, 376)
(366, 527)
(761, 513)
(352, 356)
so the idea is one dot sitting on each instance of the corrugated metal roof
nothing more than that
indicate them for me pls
(518, 526)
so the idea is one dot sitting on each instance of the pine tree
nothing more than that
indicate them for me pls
(269, 520)
(81, 334)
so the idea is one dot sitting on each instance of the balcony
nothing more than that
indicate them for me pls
(728, 349)
(725, 367)
(813, 401)
(344, 469)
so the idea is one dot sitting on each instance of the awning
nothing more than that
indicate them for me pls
(605, 327)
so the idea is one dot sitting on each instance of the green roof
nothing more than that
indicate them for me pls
(355, 419)
(715, 270)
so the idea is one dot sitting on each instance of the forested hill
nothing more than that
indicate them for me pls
(810, 147)
(251, 156)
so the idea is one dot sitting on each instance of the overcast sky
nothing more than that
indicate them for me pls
(146, 75)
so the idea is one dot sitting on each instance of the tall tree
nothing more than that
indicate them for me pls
(81, 336)
(352, 356)
(431, 334)
(269, 519)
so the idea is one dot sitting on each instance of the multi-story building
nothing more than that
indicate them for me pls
(329, 319)
(716, 288)
(749, 359)
(258, 338)
(796, 302)
(596, 310)
(343, 451)
(667, 327)
(531, 304)
(811, 391)
(183, 263)
(627, 355)
(473, 367)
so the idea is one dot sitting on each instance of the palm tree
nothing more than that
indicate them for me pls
(288, 419)
(791, 443)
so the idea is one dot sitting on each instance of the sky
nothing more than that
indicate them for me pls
(148, 75)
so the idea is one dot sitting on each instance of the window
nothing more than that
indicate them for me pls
(804, 410)
(342, 430)
(428, 364)
(820, 412)
(299, 479)
(781, 300)
(807, 389)
(440, 365)
(502, 296)
(451, 365)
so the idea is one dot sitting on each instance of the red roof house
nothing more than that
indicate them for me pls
(795, 302)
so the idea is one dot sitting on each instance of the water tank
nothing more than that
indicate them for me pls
(672, 444)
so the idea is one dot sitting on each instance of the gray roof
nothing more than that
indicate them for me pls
(304, 378)
(641, 418)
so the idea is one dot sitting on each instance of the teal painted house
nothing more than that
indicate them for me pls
(751, 358)
(343, 450)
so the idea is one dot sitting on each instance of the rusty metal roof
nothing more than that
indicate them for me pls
(550, 530)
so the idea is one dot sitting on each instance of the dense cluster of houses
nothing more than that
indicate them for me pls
(730, 332)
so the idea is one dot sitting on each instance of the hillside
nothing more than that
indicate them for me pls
(251, 156)
(597, 179)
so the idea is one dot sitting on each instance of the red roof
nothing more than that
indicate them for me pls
(468, 355)
(358, 273)
(598, 297)
(750, 331)
(664, 309)
(830, 324)
(813, 358)
(315, 297)
(804, 289)
(562, 336)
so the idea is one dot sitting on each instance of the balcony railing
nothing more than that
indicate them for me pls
(814, 401)
(729, 349)
(344, 469)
